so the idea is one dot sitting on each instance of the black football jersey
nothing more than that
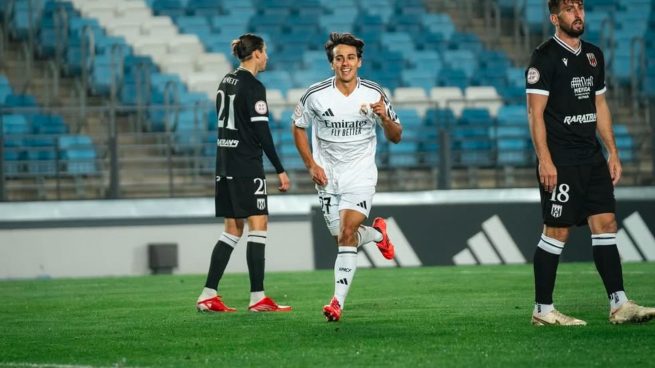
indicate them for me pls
(571, 79)
(241, 108)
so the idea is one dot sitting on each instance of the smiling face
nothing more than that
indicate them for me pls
(345, 62)
(570, 18)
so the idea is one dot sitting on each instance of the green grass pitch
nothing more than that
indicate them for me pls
(438, 316)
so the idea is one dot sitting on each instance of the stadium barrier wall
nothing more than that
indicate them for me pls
(111, 237)
(485, 233)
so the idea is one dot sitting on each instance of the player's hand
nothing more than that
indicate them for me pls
(614, 164)
(548, 175)
(318, 175)
(285, 183)
(380, 109)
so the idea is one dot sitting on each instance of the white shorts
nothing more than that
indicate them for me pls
(332, 204)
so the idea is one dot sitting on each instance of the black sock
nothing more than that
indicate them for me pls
(255, 255)
(220, 257)
(545, 271)
(608, 264)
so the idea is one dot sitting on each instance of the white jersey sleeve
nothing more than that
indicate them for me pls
(303, 115)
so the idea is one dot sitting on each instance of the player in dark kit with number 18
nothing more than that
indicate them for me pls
(565, 85)
(243, 134)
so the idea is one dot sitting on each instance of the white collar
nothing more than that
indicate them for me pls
(566, 46)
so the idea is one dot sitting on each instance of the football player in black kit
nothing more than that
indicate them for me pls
(241, 193)
(565, 86)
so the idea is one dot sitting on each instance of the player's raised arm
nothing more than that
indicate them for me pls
(392, 129)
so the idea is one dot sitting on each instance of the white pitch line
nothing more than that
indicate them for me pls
(54, 365)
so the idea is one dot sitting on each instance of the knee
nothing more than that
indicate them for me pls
(347, 236)
(557, 233)
(607, 227)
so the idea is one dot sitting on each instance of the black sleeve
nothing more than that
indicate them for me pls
(601, 65)
(266, 140)
(539, 75)
(258, 108)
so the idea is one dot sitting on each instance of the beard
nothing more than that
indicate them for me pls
(572, 32)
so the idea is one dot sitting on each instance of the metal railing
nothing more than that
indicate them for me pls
(130, 164)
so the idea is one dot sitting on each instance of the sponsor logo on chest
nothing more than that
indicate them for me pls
(582, 86)
(229, 143)
(580, 119)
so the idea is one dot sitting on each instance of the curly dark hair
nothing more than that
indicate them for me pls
(343, 39)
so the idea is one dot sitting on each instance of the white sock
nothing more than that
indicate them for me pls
(367, 234)
(229, 239)
(207, 293)
(617, 299)
(543, 309)
(344, 272)
(550, 245)
(256, 296)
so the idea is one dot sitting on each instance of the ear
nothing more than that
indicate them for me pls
(554, 20)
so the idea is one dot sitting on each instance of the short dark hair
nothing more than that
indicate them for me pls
(553, 5)
(343, 39)
(245, 45)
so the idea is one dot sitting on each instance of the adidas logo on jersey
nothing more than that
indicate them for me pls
(343, 281)
(362, 204)
(328, 112)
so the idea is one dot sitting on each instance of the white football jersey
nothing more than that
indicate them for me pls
(343, 129)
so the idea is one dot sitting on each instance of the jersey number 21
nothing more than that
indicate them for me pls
(230, 112)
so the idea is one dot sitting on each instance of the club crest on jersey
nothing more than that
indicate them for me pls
(261, 203)
(533, 75)
(363, 109)
(556, 210)
(592, 59)
(261, 108)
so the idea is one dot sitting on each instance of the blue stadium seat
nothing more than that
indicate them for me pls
(26, 13)
(453, 78)
(471, 137)
(20, 100)
(440, 118)
(624, 142)
(204, 8)
(5, 89)
(606, 6)
(406, 153)
(41, 161)
(15, 124)
(48, 124)
(438, 23)
(463, 59)
(535, 13)
(279, 79)
(172, 8)
(105, 73)
(78, 154)
(513, 136)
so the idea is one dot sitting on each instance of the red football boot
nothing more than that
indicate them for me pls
(386, 248)
(214, 304)
(332, 311)
(268, 305)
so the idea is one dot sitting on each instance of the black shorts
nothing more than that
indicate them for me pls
(240, 197)
(581, 191)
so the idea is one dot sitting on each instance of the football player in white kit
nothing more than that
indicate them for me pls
(343, 112)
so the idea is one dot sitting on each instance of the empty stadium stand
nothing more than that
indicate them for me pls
(143, 74)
